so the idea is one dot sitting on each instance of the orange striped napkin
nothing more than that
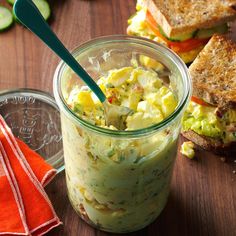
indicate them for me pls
(25, 208)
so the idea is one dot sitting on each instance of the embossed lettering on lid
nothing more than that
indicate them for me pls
(34, 117)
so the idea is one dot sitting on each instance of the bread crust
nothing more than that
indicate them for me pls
(213, 73)
(184, 16)
(211, 144)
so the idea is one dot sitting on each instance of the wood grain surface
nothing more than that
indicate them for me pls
(203, 190)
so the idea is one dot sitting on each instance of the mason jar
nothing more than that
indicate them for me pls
(119, 181)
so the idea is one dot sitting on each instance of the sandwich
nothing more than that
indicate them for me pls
(185, 26)
(210, 119)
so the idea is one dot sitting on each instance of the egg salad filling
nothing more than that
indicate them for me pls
(121, 184)
(206, 120)
(139, 89)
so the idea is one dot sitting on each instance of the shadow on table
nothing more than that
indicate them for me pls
(179, 219)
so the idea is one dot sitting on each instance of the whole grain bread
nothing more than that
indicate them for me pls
(183, 16)
(213, 73)
(211, 144)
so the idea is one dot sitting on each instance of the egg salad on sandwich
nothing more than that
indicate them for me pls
(206, 120)
(183, 26)
(210, 119)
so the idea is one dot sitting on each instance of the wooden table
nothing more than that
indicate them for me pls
(203, 191)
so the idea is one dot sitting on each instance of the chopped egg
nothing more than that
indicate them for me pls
(139, 89)
(187, 149)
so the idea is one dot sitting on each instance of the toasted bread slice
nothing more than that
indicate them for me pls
(211, 144)
(184, 16)
(214, 73)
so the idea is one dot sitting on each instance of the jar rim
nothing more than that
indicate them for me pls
(124, 39)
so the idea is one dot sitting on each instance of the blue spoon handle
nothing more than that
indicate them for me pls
(29, 15)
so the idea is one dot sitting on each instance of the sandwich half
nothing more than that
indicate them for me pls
(210, 119)
(184, 26)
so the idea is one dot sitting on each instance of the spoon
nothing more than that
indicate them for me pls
(28, 14)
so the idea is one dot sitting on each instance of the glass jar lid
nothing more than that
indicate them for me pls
(34, 117)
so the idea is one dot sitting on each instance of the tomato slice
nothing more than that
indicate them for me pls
(187, 45)
(199, 101)
(183, 46)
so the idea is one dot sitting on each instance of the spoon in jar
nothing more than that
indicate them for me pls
(28, 14)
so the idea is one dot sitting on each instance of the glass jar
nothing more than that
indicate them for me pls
(119, 181)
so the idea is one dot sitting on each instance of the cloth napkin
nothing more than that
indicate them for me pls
(25, 208)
